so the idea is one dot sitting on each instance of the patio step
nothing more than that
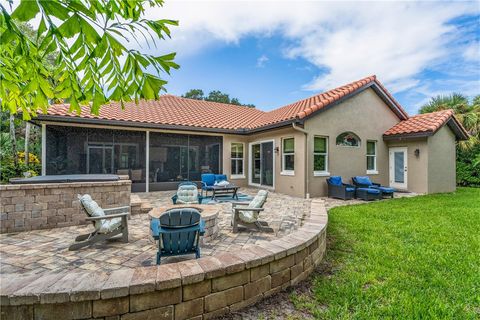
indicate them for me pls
(138, 205)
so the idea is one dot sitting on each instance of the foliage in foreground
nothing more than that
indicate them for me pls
(93, 62)
(410, 258)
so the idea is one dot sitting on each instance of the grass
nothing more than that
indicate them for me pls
(409, 258)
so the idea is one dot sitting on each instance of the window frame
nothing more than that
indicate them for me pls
(284, 171)
(375, 169)
(242, 159)
(357, 137)
(323, 173)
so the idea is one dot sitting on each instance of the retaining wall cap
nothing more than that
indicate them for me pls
(63, 185)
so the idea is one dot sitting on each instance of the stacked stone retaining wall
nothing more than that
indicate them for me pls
(25, 207)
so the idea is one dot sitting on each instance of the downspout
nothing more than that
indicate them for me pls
(306, 173)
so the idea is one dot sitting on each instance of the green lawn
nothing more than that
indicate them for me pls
(410, 258)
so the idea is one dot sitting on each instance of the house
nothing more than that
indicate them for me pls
(356, 129)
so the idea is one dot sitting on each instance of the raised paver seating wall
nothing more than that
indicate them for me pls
(198, 289)
(50, 205)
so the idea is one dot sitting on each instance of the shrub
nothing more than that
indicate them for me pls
(9, 170)
(468, 168)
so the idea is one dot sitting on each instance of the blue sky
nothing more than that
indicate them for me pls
(273, 53)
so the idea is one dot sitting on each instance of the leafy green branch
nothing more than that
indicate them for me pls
(92, 64)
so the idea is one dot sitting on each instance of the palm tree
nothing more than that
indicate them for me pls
(467, 113)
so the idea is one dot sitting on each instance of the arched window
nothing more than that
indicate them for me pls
(348, 139)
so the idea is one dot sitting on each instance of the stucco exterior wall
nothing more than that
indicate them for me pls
(227, 166)
(441, 161)
(417, 167)
(366, 115)
(295, 184)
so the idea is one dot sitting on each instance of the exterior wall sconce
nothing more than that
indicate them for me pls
(417, 153)
(277, 150)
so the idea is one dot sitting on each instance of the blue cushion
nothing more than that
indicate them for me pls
(386, 189)
(220, 177)
(370, 190)
(335, 180)
(208, 179)
(363, 180)
(348, 189)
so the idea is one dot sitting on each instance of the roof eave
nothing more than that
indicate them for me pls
(133, 124)
(404, 136)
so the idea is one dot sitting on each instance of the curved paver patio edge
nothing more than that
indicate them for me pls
(202, 288)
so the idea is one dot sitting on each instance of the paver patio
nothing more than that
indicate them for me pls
(42, 251)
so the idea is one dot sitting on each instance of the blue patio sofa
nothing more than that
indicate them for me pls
(338, 189)
(364, 182)
(209, 179)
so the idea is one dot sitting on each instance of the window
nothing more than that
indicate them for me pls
(348, 139)
(320, 156)
(237, 159)
(288, 154)
(371, 157)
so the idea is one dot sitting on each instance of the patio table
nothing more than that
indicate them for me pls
(225, 190)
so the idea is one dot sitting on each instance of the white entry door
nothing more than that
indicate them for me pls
(398, 168)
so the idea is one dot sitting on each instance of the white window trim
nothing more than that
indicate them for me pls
(325, 172)
(375, 169)
(285, 172)
(237, 176)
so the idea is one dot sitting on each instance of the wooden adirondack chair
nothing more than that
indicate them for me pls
(247, 215)
(178, 232)
(108, 224)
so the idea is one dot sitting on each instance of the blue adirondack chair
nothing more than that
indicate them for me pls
(187, 193)
(365, 182)
(178, 232)
(209, 179)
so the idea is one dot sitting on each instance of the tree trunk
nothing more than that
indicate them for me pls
(14, 140)
(27, 139)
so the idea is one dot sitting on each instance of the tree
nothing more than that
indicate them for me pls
(214, 96)
(218, 96)
(94, 64)
(467, 113)
(196, 94)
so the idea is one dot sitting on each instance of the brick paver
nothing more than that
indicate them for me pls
(41, 251)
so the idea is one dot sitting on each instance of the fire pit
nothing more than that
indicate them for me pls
(209, 215)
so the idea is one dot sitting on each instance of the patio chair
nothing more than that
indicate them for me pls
(368, 194)
(365, 182)
(178, 232)
(338, 189)
(209, 180)
(247, 215)
(187, 193)
(108, 224)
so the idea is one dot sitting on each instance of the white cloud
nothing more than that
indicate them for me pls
(261, 61)
(345, 40)
(472, 52)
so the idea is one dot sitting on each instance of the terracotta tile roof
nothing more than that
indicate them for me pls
(171, 110)
(177, 111)
(422, 123)
(305, 107)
